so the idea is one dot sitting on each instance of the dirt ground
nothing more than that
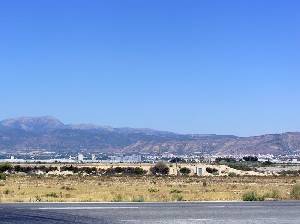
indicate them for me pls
(75, 188)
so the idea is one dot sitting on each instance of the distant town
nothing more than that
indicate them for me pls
(36, 156)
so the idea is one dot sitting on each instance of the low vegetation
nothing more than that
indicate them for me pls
(69, 168)
(295, 192)
(125, 171)
(247, 163)
(149, 183)
(252, 196)
(212, 170)
(232, 174)
(137, 188)
(2, 176)
(185, 171)
(289, 173)
(269, 195)
(160, 168)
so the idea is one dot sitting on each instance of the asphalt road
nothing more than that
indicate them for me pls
(151, 213)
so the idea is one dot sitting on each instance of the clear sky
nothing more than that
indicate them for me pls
(224, 67)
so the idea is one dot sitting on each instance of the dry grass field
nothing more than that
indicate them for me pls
(30, 188)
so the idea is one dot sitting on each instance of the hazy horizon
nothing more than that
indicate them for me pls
(188, 67)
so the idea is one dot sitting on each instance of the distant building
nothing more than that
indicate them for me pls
(126, 159)
(199, 171)
(80, 157)
(12, 160)
(115, 159)
(132, 159)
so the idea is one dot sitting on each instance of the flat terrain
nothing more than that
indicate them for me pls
(76, 188)
(149, 213)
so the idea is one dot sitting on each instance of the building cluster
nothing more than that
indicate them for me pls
(138, 158)
(80, 158)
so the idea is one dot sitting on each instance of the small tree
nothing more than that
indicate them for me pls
(232, 174)
(5, 167)
(177, 160)
(212, 170)
(119, 169)
(139, 171)
(160, 168)
(185, 171)
(250, 158)
(225, 160)
(2, 176)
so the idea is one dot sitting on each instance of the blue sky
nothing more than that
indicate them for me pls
(225, 67)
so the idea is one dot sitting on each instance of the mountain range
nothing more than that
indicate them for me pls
(50, 134)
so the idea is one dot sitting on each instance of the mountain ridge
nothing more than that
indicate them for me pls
(49, 133)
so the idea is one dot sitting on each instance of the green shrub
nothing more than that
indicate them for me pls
(225, 160)
(38, 198)
(6, 191)
(250, 158)
(67, 188)
(2, 176)
(295, 192)
(139, 171)
(177, 197)
(267, 163)
(177, 160)
(125, 171)
(72, 168)
(175, 191)
(160, 168)
(138, 199)
(153, 190)
(5, 167)
(252, 196)
(272, 194)
(52, 195)
(185, 171)
(212, 170)
(289, 173)
(242, 167)
(232, 174)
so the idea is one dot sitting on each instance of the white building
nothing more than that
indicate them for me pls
(80, 157)
(126, 159)
(132, 159)
(115, 159)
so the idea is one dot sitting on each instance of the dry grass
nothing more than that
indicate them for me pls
(146, 188)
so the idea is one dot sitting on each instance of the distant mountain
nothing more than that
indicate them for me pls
(48, 133)
(32, 123)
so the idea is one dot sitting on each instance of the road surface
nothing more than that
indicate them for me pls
(151, 213)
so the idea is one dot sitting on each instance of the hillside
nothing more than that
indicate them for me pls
(50, 134)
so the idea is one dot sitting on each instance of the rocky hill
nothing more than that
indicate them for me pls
(47, 133)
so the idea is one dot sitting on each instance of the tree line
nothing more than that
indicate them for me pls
(159, 169)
